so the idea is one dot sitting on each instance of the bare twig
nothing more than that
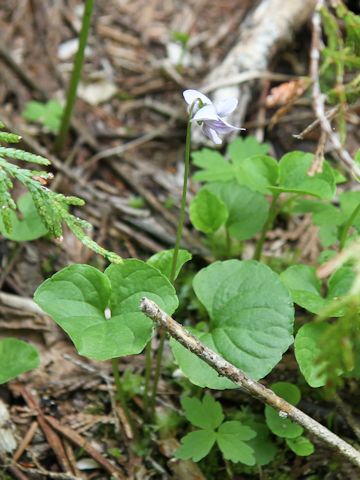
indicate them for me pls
(26, 441)
(255, 389)
(330, 114)
(319, 98)
(246, 77)
(81, 442)
(318, 160)
(45, 473)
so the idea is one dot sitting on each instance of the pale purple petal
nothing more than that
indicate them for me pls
(206, 113)
(227, 106)
(192, 95)
(221, 126)
(210, 133)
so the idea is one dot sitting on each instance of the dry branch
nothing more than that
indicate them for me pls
(265, 29)
(254, 388)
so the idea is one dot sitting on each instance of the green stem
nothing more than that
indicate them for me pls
(228, 243)
(75, 76)
(183, 203)
(174, 258)
(270, 220)
(346, 228)
(148, 368)
(120, 396)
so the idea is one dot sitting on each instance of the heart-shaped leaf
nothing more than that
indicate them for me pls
(134, 279)
(278, 424)
(207, 212)
(163, 261)
(263, 445)
(195, 369)
(293, 176)
(251, 316)
(78, 297)
(308, 350)
(349, 201)
(301, 446)
(29, 227)
(16, 357)
(304, 286)
(258, 173)
(248, 210)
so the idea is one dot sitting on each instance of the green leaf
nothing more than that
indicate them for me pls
(163, 261)
(349, 201)
(206, 414)
(251, 331)
(52, 115)
(340, 283)
(308, 350)
(16, 357)
(77, 298)
(322, 213)
(257, 173)
(134, 279)
(33, 111)
(248, 329)
(326, 216)
(243, 148)
(116, 337)
(301, 446)
(287, 391)
(304, 287)
(231, 438)
(215, 168)
(195, 369)
(196, 445)
(293, 176)
(49, 114)
(264, 447)
(207, 212)
(282, 426)
(27, 227)
(248, 210)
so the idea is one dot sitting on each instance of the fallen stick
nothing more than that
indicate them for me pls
(83, 443)
(254, 388)
(266, 28)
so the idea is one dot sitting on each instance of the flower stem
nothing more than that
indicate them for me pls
(228, 243)
(148, 368)
(120, 396)
(267, 225)
(346, 228)
(75, 76)
(174, 258)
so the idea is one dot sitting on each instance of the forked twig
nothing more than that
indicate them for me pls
(254, 388)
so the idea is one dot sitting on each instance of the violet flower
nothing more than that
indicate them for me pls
(209, 115)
